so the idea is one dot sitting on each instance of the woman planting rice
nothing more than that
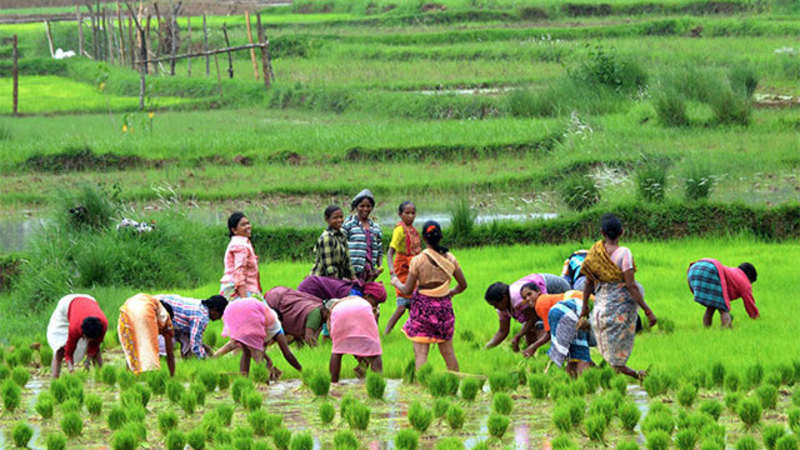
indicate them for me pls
(364, 238)
(301, 314)
(241, 278)
(354, 331)
(327, 288)
(715, 285)
(431, 319)
(405, 245)
(141, 319)
(251, 325)
(76, 329)
(506, 299)
(332, 258)
(610, 268)
(190, 318)
(571, 272)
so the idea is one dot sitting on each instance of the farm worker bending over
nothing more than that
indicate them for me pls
(507, 300)
(364, 238)
(354, 331)
(251, 325)
(190, 318)
(331, 255)
(430, 318)
(142, 318)
(715, 285)
(241, 278)
(328, 288)
(76, 329)
(405, 245)
(571, 272)
(610, 268)
(559, 314)
(300, 314)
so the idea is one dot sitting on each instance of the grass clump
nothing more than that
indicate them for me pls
(462, 220)
(629, 414)
(157, 381)
(224, 414)
(750, 412)
(239, 387)
(253, 400)
(596, 425)
(609, 68)
(660, 420)
(320, 383)
(698, 185)
(768, 395)
(301, 441)
(651, 181)
(686, 439)
(358, 416)
(747, 443)
(771, 433)
(732, 382)
(72, 424)
(11, 395)
(327, 412)
(787, 442)
(108, 375)
(561, 418)
(564, 442)
(56, 441)
(469, 388)
(376, 385)
(174, 391)
(176, 440)
(71, 405)
(754, 374)
(282, 437)
(440, 407)
(188, 403)
(579, 193)
(259, 373)
(658, 440)
(94, 404)
(718, 373)
(670, 106)
(794, 419)
(628, 445)
(442, 384)
(345, 439)
(455, 417)
(502, 403)
(258, 422)
(20, 375)
(406, 439)
(449, 443)
(732, 400)
(44, 405)
(196, 439)
(167, 420)
(539, 385)
(712, 407)
(124, 439)
(498, 424)
(58, 388)
(22, 434)
(208, 378)
(116, 417)
(419, 417)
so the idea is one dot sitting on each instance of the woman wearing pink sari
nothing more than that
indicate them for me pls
(353, 324)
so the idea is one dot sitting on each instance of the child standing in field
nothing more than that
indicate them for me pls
(405, 245)
(331, 255)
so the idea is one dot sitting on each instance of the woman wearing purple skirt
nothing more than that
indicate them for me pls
(431, 319)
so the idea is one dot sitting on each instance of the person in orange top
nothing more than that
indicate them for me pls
(404, 246)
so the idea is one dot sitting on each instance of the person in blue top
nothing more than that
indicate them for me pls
(364, 238)
(572, 270)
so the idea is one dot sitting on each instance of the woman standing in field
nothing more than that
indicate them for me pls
(241, 278)
(715, 285)
(141, 319)
(251, 325)
(331, 256)
(610, 268)
(430, 318)
(301, 314)
(364, 238)
(508, 302)
(405, 245)
(76, 329)
(353, 324)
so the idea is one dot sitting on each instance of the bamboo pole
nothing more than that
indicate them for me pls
(93, 20)
(250, 40)
(49, 37)
(189, 44)
(205, 45)
(230, 56)
(15, 76)
(264, 52)
(198, 54)
(80, 29)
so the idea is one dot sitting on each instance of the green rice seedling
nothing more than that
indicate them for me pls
(773, 379)
(521, 377)
(223, 437)
(22, 434)
(596, 426)
(754, 374)
(658, 407)
(732, 382)
(116, 417)
(564, 442)
(747, 443)
(125, 379)
(424, 373)
(345, 439)
(750, 412)
(176, 440)
(358, 417)
(224, 414)
(771, 433)
(108, 375)
(124, 439)
(452, 382)
(455, 417)
(12, 360)
(655, 385)
(20, 375)
(562, 418)
(577, 408)
(281, 437)
(718, 373)
(469, 388)
(259, 373)
(58, 388)
(787, 442)
(11, 395)
(578, 388)
(5, 372)
(258, 422)
(449, 443)
(239, 386)
(174, 391)
(223, 381)
(437, 384)
(620, 385)
(344, 407)
(253, 400)
(794, 419)
(24, 355)
(406, 439)
(167, 420)
(157, 381)
(301, 441)
(327, 412)
(732, 400)
(700, 379)
(196, 439)
(320, 383)
(667, 325)
(560, 391)
(603, 407)
(71, 424)
(199, 391)
(592, 380)
(502, 403)
(44, 405)
(658, 440)
(410, 372)
(419, 417)
(376, 385)
(628, 445)
(539, 385)
(76, 393)
(796, 396)
(658, 421)
(56, 441)
(686, 395)
(629, 414)
(440, 407)
(768, 395)
(712, 407)
(136, 413)
(94, 404)
(787, 373)
(208, 377)
(670, 106)
(500, 382)
(144, 393)
(243, 442)
(686, 439)
(713, 443)
(498, 424)
(188, 403)
(579, 193)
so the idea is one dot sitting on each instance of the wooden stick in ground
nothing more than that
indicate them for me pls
(173, 39)
(14, 76)
(208, 53)
(147, 38)
(49, 37)
(80, 29)
(219, 78)
(228, 45)
(250, 40)
(205, 45)
(109, 33)
(93, 22)
(264, 52)
(143, 71)
(121, 35)
(131, 47)
(189, 44)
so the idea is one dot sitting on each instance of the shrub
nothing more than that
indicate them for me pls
(376, 385)
(94, 404)
(116, 417)
(730, 107)
(750, 412)
(224, 413)
(301, 441)
(651, 181)
(455, 417)
(108, 374)
(469, 388)
(71, 424)
(358, 417)
(440, 407)
(253, 400)
(44, 405)
(607, 67)
(22, 434)
(345, 439)
(712, 407)
(686, 439)
(20, 376)
(176, 440)
(174, 391)
(629, 414)
(732, 400)
(419, 417)
(747, 443)
(502, 403)
(259, 373)
(188, 403)
(563, 442)
(768, 395)
(658, 440)
(670, 106)
(11, 395)
(498, 424)
(281, 437)
(124, 439)
(771, 434)
(579, 193)
(406, 439)
(208, 378)
(167, 420)
(57, 441)
(196, 439)
(327, 412)
(596, 427)
(787, 442)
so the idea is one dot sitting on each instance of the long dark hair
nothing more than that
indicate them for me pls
(233, 221)
(432, 232)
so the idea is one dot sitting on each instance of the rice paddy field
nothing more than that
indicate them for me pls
(480, 112)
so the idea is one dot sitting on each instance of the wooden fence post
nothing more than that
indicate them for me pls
(228, 44)
(15, 76)
(173, 38)
(121, 35)
(109, 35)
(93, 22)
(49, 37)
(264, 52)
(189, 44)
(80, 30)
(219, 78)
(131, 45)
(250, 41)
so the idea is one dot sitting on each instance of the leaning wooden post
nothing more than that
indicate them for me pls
(147, 37)
(143, 70)
(205, 45)
(92, 21)
(131, 46)
(228, 45)
(49, 37)
(121, 35)
(189, 44)
(264, 52)
(80, 30)
(250, 41)
(14, 75)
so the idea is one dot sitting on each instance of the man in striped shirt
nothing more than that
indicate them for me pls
(190, 319)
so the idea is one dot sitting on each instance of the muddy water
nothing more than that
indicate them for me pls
(641, 400)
